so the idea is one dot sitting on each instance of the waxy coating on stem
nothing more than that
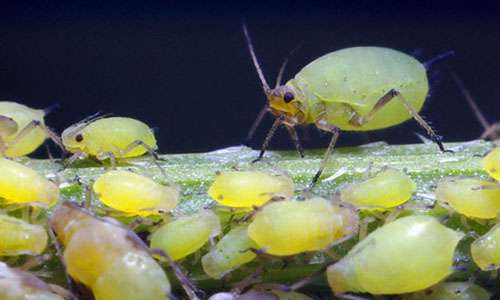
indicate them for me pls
(491, 163)
(407, 255)
(471, 197)
(452, 291)
(14, 117)
(385, 190)
(18, 237)
(35, 191)
(232, 251)
(246, 189)
(115, 135)
(187, 234)
(290, 227)
(134, 194)
(106, 257)
(485, 251)
(20, 285)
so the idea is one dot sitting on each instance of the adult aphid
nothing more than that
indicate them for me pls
(349, 89)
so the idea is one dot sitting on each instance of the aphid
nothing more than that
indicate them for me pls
(407, 255)
(249, 188)
(187, 234)
(35, 191)
(386, 190)
(134, 194)
(471, 197)
(20, 285)
(232, 251)
(109, 138)
(291, 227)
(491, 163)
(18, 237)
(349, 89)
(452, 291)
(106, 257)
(22, 129)
(485, 250)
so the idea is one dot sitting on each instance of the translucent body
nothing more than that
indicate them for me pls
(406, 255)
(249, 188)
(485, 250)
(471, 197)
(230, 252)
(186, 235)
(113, 135)
(22, 116)
(22, 185)
(18, 237)
(452, 291)
(491, 163)
(134, 194)
(20, 285)
(106, 257)
(387, 189)
(354, 79)
(291, 227)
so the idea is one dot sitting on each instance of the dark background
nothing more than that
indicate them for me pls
(185, 69)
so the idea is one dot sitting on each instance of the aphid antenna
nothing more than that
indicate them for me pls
(51, 108)
(87, 120)
(285, 63)
(265, 85)
(439, 58)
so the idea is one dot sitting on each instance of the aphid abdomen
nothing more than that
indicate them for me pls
(354, 79)
(491, 163)
(18, 237)
(485, 250)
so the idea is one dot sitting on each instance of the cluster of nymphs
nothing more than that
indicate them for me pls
(363, 239)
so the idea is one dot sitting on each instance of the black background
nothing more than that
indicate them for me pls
(185, 69)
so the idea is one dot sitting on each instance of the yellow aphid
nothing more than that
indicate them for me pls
(406, 255)
(134, 194)
(249, 188)
(187, 234)
(18, 237)
(386, 190)
(452, 291)
(118, 136)
(106, 257)
(291, 227)
(232, 251)
(485, 250)
(22, 185)
(20, 285)
(471, 197)
(491, 163)
(15, 117)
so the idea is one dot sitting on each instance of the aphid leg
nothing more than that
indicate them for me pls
(59, 255)
(32, 126)
(297, 285)
(107, 155)
(492, 132)
(34, 261)
(247, 281)
(62, 292)
(269, 136)
(149, 149)
(357, 120)
(296, 140)
(262, 113)
(193, 292)
(323, 125)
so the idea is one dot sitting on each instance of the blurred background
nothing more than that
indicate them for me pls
(184, 68)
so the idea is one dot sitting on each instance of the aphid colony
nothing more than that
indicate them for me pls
(405, 251)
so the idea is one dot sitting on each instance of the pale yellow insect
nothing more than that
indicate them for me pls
(22, 129)
(491, 163)
(134, 194)
(20, 285)
(186, 234)
(452, 291)
(232, 251)
(22, 185)
(18, 237)
(290, 227)
(247, 189)
(407, 255)
(472, 197)
(106, 257)
(485, 250)
(386, 190)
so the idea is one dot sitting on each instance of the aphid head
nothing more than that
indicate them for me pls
(73, 137)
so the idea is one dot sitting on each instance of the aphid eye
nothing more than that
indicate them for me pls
(79, 137)
(288, 97)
